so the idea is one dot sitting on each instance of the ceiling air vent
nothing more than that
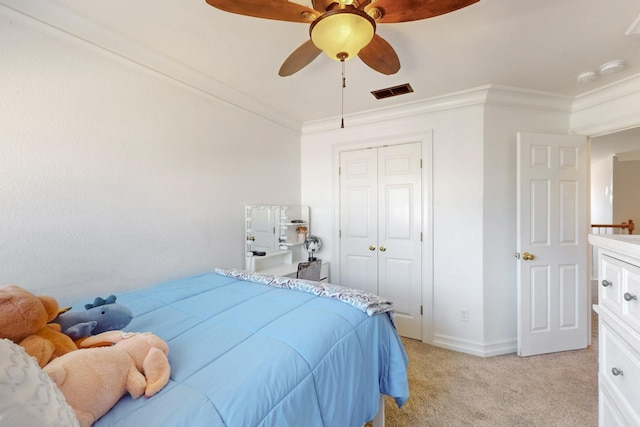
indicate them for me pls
(392, 91)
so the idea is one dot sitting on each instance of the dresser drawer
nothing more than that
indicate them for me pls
(619, 289)
(631, 295)
(608, 413)
(620, 370)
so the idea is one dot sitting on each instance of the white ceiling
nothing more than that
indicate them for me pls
(541, 45)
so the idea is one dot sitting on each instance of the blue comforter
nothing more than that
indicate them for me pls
(248, 354)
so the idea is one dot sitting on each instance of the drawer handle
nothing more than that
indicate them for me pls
(606, 283)
(615, 371)
(629, 297)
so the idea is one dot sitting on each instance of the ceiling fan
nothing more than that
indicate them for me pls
(343, 29)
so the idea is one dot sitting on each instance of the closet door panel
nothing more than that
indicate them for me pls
(399, 233)
(358, 220)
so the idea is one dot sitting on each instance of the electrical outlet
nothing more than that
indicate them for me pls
(464, 314)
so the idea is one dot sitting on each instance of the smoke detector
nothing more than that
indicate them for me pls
(612, 67)
(587, 77)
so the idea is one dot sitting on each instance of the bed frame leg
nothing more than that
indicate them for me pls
(378, 421)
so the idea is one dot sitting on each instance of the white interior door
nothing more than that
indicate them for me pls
(552, 244)
(380, 223)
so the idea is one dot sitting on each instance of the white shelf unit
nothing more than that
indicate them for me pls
(289, 237)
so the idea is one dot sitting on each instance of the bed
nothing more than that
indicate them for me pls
(256, 350)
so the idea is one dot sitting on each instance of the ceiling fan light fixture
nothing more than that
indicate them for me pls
(341, 33)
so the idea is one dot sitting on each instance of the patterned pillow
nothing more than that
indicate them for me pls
(28, 397)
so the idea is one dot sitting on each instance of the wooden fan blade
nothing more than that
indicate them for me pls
(380, 56)
(300, 58)
(281, 10)
(412, 10)
(322, 5)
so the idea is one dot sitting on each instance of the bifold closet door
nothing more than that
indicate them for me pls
(380, 227)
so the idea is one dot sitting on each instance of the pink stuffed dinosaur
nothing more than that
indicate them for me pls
(94, 379)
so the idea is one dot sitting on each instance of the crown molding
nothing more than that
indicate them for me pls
(48, 14)
(493, 95)
(609, 109)
(450, 101)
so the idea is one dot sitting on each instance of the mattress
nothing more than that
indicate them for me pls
(244, 352)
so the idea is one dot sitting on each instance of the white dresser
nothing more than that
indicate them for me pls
(618, 311)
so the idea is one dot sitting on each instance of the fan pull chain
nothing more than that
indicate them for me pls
(344, 84)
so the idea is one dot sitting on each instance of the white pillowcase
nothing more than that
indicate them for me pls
(28, 396)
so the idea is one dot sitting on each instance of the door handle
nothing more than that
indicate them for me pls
(372, 248)
(528, 257)
(383, 248)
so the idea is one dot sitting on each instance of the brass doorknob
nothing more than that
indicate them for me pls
(372, 248)
(383, 248)
(528, 257)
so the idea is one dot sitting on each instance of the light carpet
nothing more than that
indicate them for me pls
(449, 388)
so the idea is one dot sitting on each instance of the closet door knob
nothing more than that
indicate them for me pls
(383, 248)
(528, 257)
(629, 297)
(606, 283)
(372, 248)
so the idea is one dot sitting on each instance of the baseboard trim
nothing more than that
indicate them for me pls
(477, 349)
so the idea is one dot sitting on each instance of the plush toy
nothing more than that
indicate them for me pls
(24, 320)
(101, 316)
(94, 379)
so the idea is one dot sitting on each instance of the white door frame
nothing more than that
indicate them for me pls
(426, 140)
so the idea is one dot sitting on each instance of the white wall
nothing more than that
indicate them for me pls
(474, 218)
(113, 176)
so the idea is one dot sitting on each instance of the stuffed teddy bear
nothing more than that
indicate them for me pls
(93, 379)
(101, 316)
(24, 319)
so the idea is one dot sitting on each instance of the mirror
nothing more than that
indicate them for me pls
(271, 228)
(260, 227)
